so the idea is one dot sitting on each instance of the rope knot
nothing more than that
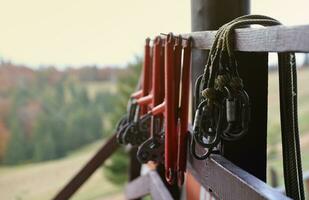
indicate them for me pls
(209, 93)
(236, 84)
(221, 81)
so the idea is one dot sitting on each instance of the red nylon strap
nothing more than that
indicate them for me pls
(170, 110)
(147, 74)
(183, 114)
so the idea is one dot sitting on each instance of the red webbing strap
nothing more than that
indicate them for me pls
(183, 114)
(147, 74)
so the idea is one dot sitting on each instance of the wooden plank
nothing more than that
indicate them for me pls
(150, 183)
(158, 190)
(138, 188)
(135, 166)
(269, 39)
(227, 181)
(90, 167)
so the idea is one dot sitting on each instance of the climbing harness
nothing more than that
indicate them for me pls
(223, 107)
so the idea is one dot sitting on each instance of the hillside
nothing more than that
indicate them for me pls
(43, 180)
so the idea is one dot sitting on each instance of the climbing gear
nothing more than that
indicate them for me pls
(183, 112)
(222, 105)
(153, 148)
(221, 83)
(169, 108)
(130, 129)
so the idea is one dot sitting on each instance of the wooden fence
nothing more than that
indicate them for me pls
(218, 175)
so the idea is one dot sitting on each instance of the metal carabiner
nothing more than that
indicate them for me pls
(199, 134)
(244, 105)
(207, 136)
(195, 155)
(152, 149)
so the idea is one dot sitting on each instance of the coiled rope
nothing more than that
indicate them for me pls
(220, 74)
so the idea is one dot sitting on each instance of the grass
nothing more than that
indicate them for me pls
(43, 180)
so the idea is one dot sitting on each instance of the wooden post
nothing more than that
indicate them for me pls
(135, 166)
(249, 153)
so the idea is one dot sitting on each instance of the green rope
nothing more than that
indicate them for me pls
(219, 74)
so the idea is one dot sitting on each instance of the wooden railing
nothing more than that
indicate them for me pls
(219, 176)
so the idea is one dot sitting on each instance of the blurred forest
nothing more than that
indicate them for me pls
(46, 113)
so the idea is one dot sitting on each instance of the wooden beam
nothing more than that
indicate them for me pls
(135, 165)
(138, 188)
(150, 183)
(90, 167)
(227, 181)
(269, 39)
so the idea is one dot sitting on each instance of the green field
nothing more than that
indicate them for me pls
(43, 180)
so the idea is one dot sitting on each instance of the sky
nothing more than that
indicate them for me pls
(104, 32)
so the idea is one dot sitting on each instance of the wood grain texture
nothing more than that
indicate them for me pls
(150, 183)
(269, 39)
(227, 181)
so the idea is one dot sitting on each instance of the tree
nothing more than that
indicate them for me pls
(16, 151)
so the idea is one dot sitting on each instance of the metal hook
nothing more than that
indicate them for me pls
(195, 155)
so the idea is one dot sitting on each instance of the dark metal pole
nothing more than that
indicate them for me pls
(249, 153)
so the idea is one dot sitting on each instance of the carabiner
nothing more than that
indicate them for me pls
(244, 105)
